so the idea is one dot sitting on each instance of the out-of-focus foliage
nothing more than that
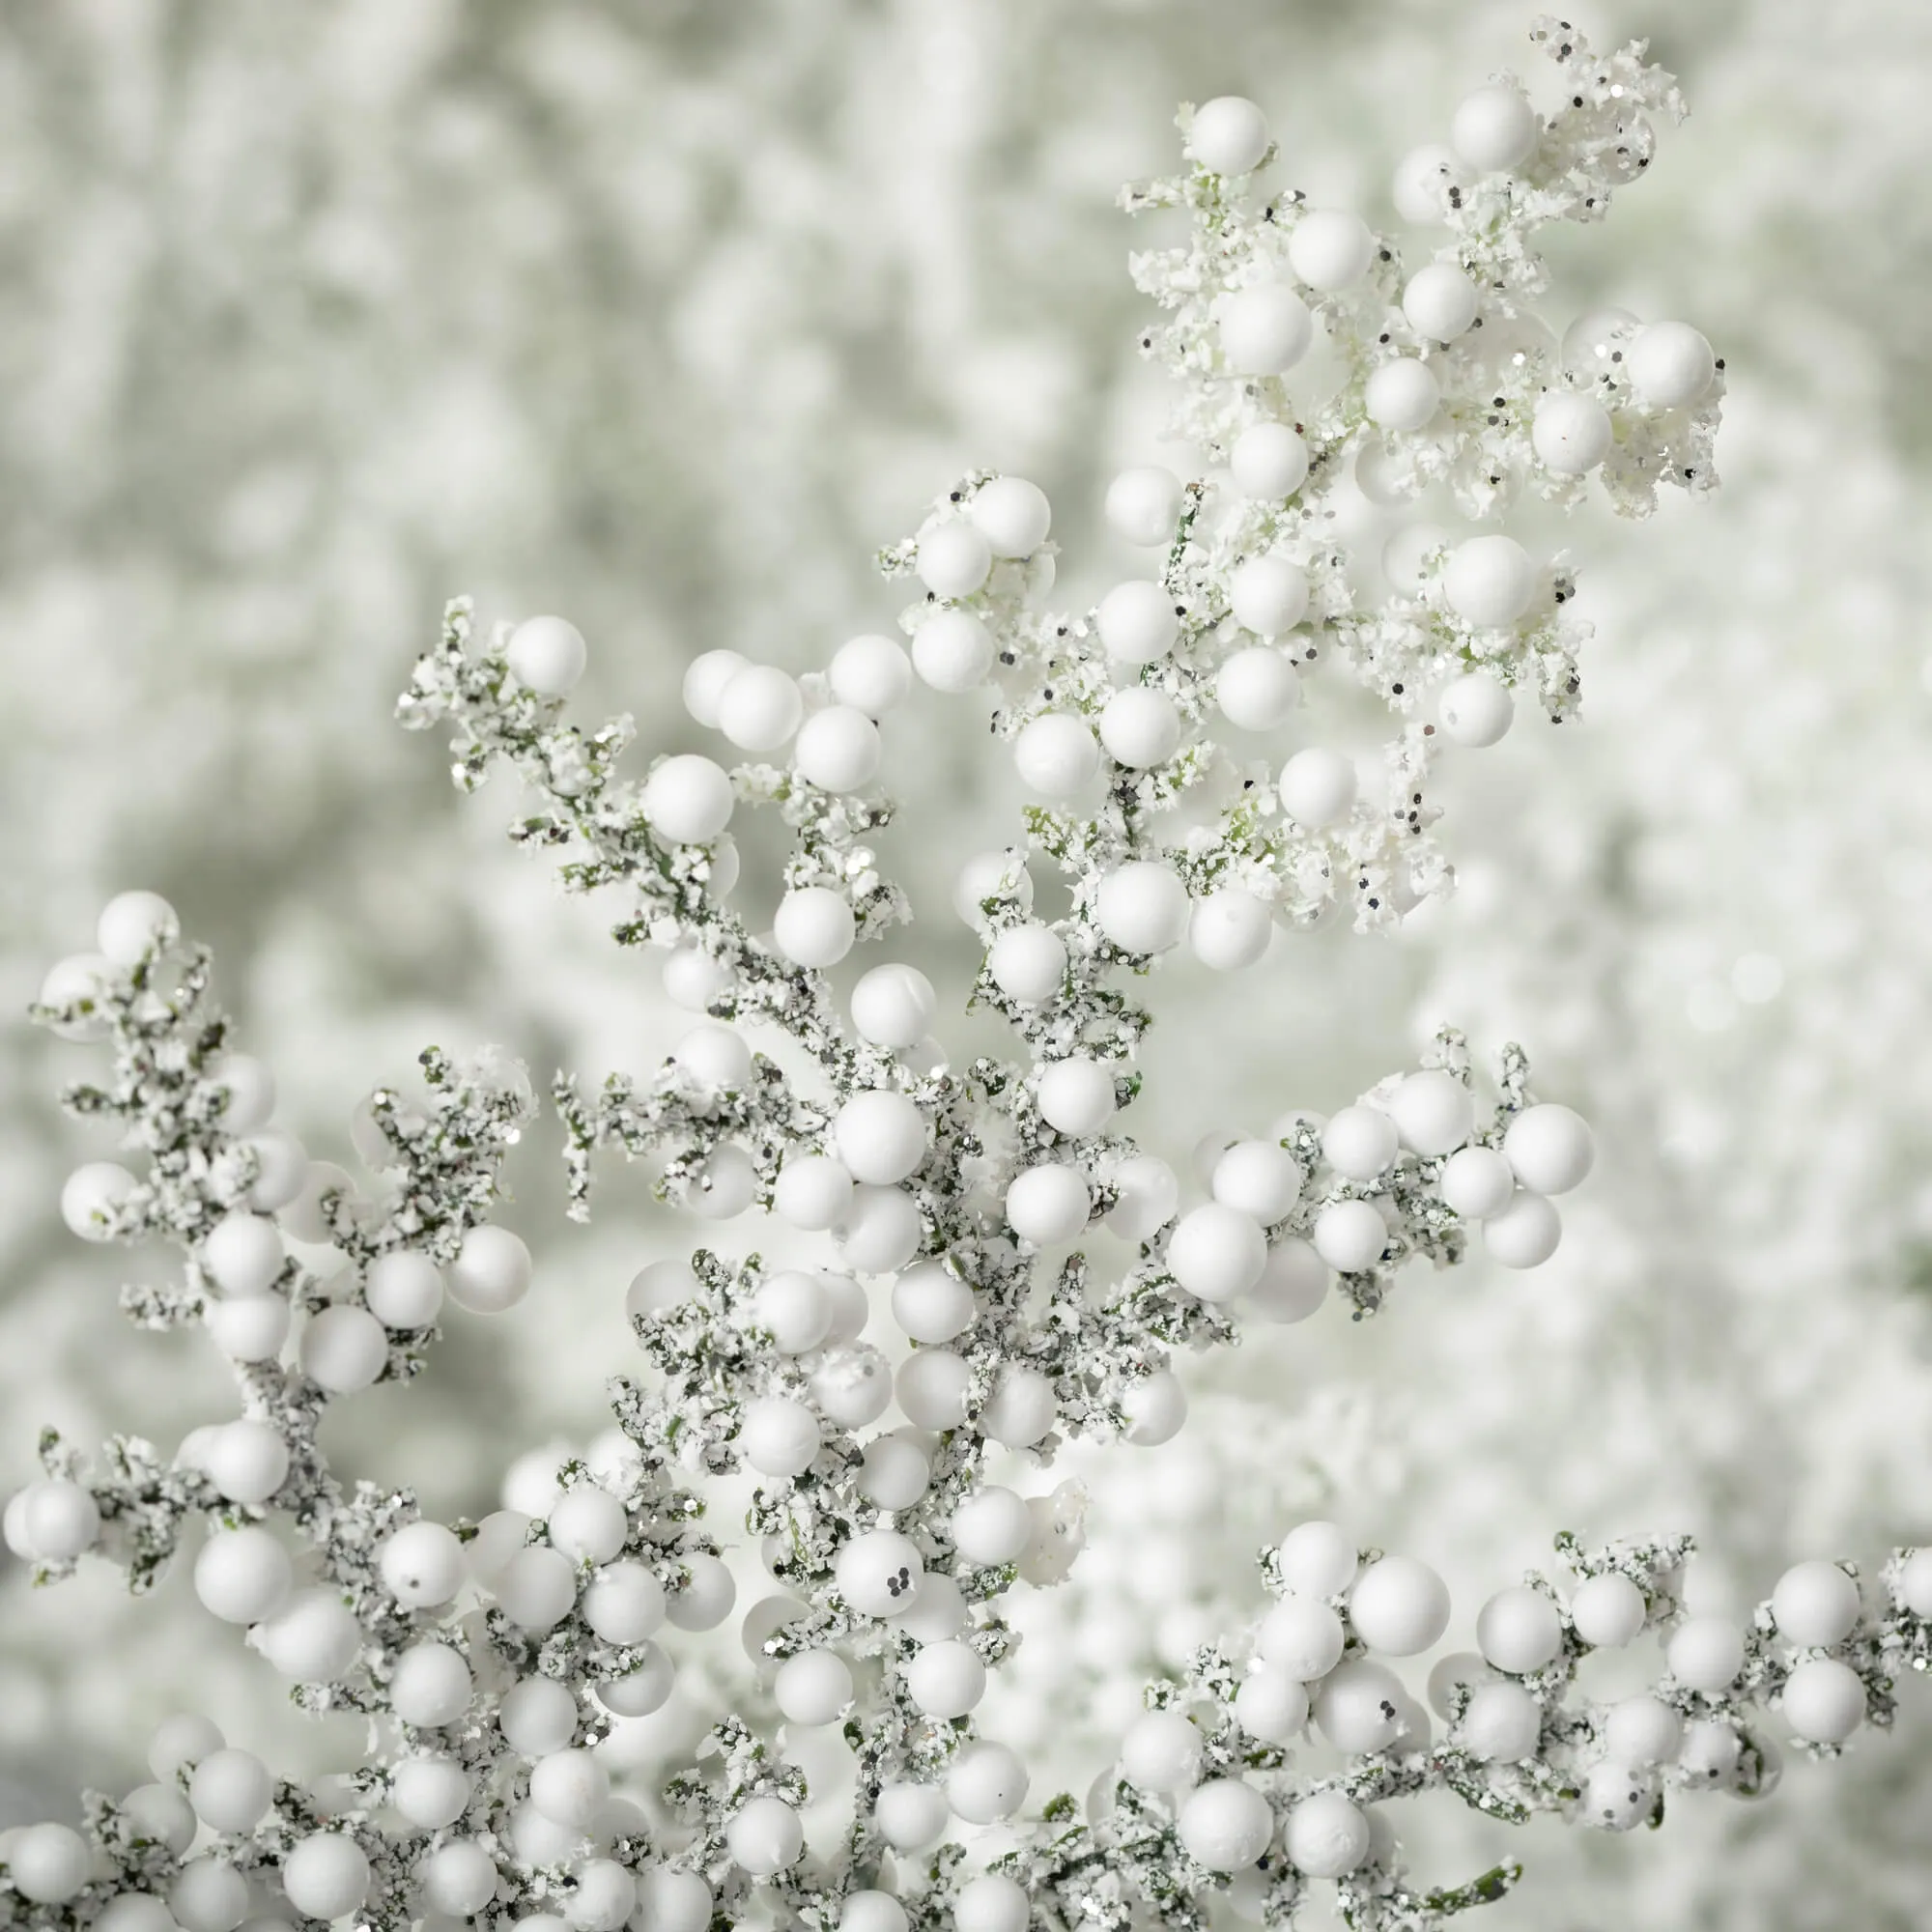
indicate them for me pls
(662, 316)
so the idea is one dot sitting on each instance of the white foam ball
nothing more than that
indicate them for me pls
(1550, 1148)
(1502, 1723)
(881, 1230)
(812, 1688)
(1264, 329)
(945, 1680)
(1706, 1654)
(1572, 433)
(1359, 1142)
(813, 927)
(1257, 688)
(1607, 1610)
(459, 1877)
(1489, 581)
(1143, 506)
(1494, 128)
(880, 1136)
(705, 1597)
(247, 1460)
(546, 655)
(58, 1518)
(992, 1902)
(624, 1604)
(910, 1816)
(1076, 1095)
(872, 673)
(1524, 1233)
(1259, 1179)
(760, 708)
(1302, 1637)
(688, 799)
(1519, 1630)
(133, 925)
(1269, 595)
(985, 1781)
(1156, 1406)
(952, 651)
(1146, 1193)
(1440, 301)
(1425, 180)
(243, 1254)
(704, 680)
(1294, 1283)
(1270, 462)
(1020, 1410)
(1226, 1824)
(1027, 964)
(1326, 1835)
(1143, 907)
(1229, 135)
(1403, 394)
(1824, 1700)
(1318, 1559)
(1431, 1111)
(1271, 1706)
(1137, 621)
(894, 1006)
(1475, 709)
(879, 1571)
(536, 1589)
(1670, 365)
(1399, 1605)
(1476, 1182)
(91, 1196)
(1317, 787)
(1815, 1604)
(1140, 727)
(48, 1864)
(1048, 1203)
(1349, 1236)
(1330, 248)
(837, 749)
(588, 1523)
(1013, 515)
(430, 1685)
(811, 1192)
(243, 1575)
(1056, 754)
(1216, 1252)
(953, 559)
(1358, 1707)
(404, 1289)
(1230, 929)
(778, 1437)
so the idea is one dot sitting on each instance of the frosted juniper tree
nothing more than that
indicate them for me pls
(1034, 1270)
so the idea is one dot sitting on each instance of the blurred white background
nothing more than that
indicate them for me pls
(665, 316)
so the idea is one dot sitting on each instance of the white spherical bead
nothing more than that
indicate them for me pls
(1502, 1724)
(1349, 1236)
(814, 1687)
(1269, 595)
(1027, 964)
(1706, 1653)
(1140, 727)
(881, 1230)
(1489, 581)
(1607, 1610)
(838, 750)
(601, 1899)
(1403, 394)
(430, 1685)
(624, 1604)
(985, 1783)
(1524, 1233)
(87, 981)
(992, 1525)
(588, 1523)
(1519, 1630)
(1301, 1638)
(1229, 135)
(992, 1902)
(242, 1255)
(1271, 1706)
(872, 673)
(1425, 179)
(1615, 1798)
(1475, 710)
(208, 1894)
(1076, 1095)
(1230, 929)
(704, 680)
(705, 1599)
(1326, 1835)
(1012, 516)
(1056, 754)
(879, 1571)
(813, 927)
(1137, 623)
(1162, 1752)
(1494, 128)
(869, 1911)
(327, 1875)
(1330, 248)
(247, 1460)
(243, 1575)
(1143, 907)
(1708, 1756)
(793, 1307)
(1572, 433)
(48, 1864)
(179, 1743)
(58, 1519)
(1143, 506)
(343, 1349)
(536, 1589)
(894, 1006)
(880, 1137)
(931, 1303)
(537, 1716)
(812, 1191)
(778, 1437)
(1318, 1559)
(421, 1565)
(895, 1472)
(1226, 1824)
(231, 1790)
(931, 1389)
(1156, 1406)
(1669, 364)
(945, 1680)
(1399, 1605)
(1020, 1410)
(953, 559)
(403, 1289)
(1294, 1283)
(910, 1816)
(1264, 329)
(1476, 1182)
(642, 1690)
(760, 708)
(1048, 1203)
(1257, 1178)
(546, 655)
(159, 1813)
(1257, 688)
(1440, 301)
(696, 980)
(568, 1787)
(1433, 1112)
(1824, 1700)
(1914, 1584)
(1359, 1142)
(952, 651)
(1550, 1148)
(1815, 1604)
(1269, 462)
(688, 799)
(1317, 787)
(1216, 1252)
(1146, 1193)
(1358, 1707)
(91, 1197)
(1001, 876)
(458, 1877)
(133, 925)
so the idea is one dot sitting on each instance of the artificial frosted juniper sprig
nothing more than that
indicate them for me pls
(1039, 1266)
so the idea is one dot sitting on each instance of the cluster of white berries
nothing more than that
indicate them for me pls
(1008, 1268)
